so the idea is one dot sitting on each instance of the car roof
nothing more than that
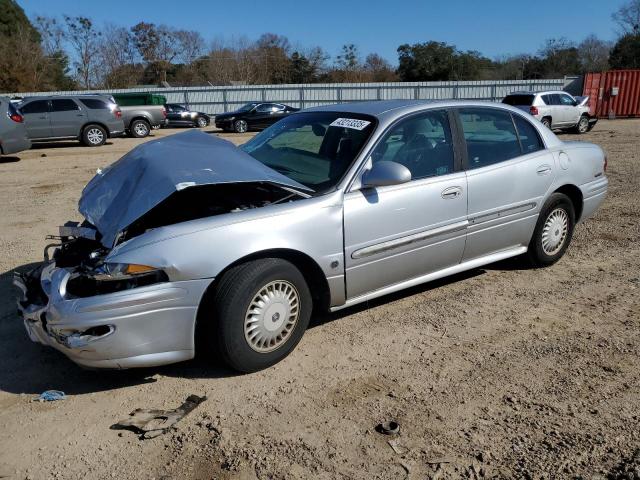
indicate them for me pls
(530, 92)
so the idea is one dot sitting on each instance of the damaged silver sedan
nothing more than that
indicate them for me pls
(190, 243)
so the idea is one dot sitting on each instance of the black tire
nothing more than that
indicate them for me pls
(94, 135)
(546, 121)
(240, 126)
(139, 128)
(201, 122)
(542, 255)
(583, 124)
(227, 313)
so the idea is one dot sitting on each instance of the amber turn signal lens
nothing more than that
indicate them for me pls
(133, 269)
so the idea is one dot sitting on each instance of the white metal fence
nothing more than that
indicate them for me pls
(220, 99)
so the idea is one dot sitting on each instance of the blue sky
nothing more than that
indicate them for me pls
(492, 27)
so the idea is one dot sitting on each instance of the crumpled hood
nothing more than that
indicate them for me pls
(121, 193)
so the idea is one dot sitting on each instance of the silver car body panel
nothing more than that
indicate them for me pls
(366, 242)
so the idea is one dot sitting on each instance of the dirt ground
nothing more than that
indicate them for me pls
(502, 372)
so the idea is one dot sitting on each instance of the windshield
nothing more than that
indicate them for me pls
(313, 148)
(246, 107)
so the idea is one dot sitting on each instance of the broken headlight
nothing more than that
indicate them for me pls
(113, 277)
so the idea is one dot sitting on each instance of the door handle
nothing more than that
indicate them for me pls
(451, 192)
(543, 169)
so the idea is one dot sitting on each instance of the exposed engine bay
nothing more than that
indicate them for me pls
(81, 251)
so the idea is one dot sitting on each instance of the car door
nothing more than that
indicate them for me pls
(178, 115)
(66, 117)
(508, 174)
(571, 113)
(396, 233)
(261, 116)
(36, 118)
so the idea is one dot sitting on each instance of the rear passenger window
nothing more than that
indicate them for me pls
(422, 143)
(63, 105)
(490, 136)
(39, 106)
(95, 104)
(529, 138)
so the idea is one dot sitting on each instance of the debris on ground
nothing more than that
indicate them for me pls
(51, 396)
(152, 423)
(388, 428)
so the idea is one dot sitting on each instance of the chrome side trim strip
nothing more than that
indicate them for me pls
(445, 272)
(501, 213)
(408, 240)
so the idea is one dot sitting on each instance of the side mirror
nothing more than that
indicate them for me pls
(386, 173)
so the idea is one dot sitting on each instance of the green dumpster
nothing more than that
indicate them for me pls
(142, 98)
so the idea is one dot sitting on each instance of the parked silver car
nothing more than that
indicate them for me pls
(90, 119)
(230, 249)
(555, 109)
(13, 134)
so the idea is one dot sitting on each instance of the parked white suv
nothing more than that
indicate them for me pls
(556, 109)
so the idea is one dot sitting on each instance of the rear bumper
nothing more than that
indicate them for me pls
(14, 145)
(593, 194)
(141, 327)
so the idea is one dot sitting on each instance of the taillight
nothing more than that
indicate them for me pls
(164, 112)
(533, 110)
(118, 113)
(16, 117)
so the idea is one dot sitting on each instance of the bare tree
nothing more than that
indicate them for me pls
(593, 54)
(378, 69)
(119, 66)
(190, 46)
(52, 34)
(83, 37)
(628, 17)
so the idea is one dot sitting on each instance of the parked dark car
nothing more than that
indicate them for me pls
(180, 116)
(88, 118)
(253, 116)
(13, 133)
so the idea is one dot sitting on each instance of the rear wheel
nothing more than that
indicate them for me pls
(139, 128)
(546, 121)
(94, 135)
(553, 232)
(240, 126)
(201, 122)
(258, 314)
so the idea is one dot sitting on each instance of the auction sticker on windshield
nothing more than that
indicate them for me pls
(350, 123)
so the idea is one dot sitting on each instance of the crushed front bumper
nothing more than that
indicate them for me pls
(140, 327)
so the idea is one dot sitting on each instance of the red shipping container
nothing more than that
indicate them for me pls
(615, 93)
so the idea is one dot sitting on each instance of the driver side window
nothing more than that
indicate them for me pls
(422, 143)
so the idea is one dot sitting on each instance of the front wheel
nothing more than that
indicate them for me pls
(94, 136)
(240, 126)
(553, 232)
(259, 312)
(583, 124)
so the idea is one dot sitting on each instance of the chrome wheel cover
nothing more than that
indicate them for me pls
(141, 129)
(241, 126)
(202, 122)
(555, 231)
(272, 315)
(95, 136)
